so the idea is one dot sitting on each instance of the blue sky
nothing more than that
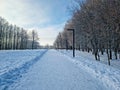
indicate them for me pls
(47, 17)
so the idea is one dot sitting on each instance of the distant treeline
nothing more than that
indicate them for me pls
(97, 28)
(14, 37)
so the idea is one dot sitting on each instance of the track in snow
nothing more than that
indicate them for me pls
(55, 72)
(10, 77)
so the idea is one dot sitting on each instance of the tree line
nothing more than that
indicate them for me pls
(14, 37)
(97, 28)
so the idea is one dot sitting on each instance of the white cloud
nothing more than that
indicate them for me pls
(30, 14)
(48, 34)
(22, 12)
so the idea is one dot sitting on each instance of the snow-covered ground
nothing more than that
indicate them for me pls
(53, 70)
(14, 63)
(109, 75)
(89, 56)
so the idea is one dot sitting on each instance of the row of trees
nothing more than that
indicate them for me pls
(97, 28)
(14, 37)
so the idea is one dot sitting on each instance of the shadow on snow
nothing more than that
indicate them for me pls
(10, 77)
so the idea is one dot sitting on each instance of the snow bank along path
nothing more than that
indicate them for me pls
(54, 71)
(10, 74)
(108, 75)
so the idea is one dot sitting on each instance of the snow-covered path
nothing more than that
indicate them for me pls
(54, 71)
